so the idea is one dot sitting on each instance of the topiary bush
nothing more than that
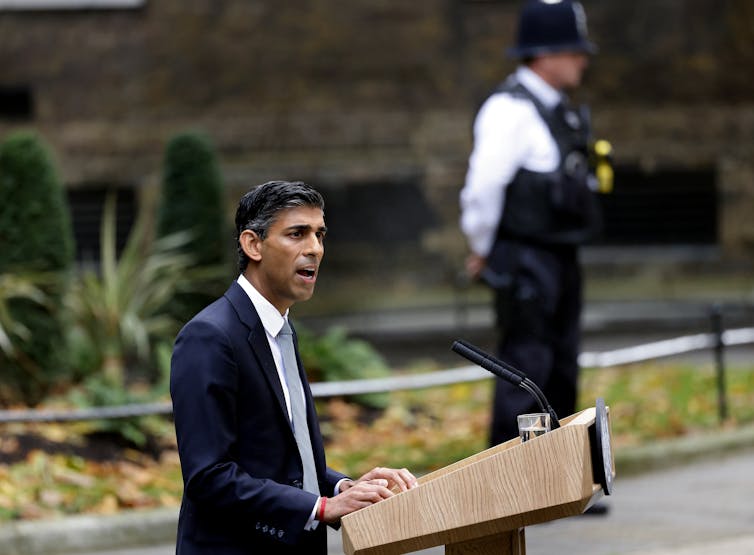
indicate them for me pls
(37, 248)
(192, 199)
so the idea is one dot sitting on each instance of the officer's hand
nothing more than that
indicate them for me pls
(474, 265)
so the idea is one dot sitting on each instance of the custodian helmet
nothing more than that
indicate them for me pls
(548, 26)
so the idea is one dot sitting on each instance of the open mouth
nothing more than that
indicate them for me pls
(306, 272)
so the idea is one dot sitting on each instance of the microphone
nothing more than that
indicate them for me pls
(505, 365)
(482, 359)
(507, 372)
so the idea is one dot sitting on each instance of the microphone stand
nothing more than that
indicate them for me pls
(508, 372)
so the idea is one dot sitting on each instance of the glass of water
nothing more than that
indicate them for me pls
(533, 425)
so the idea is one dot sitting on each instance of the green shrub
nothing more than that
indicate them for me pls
(37, 247)
(192, 200)
(98, 391)
(334, 357)
(35, 224)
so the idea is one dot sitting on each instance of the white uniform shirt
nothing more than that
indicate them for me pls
(509, 134)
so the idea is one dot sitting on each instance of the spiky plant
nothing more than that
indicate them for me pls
(119, 310)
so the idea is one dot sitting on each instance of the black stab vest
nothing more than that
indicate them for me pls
(553, 208)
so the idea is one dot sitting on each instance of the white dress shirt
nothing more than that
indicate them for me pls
(509, 134)
(272, 321)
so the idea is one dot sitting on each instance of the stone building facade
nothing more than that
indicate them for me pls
(373, 102)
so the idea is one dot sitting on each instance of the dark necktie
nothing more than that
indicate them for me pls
(298, 408)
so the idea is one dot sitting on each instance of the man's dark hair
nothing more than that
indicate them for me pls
(258, 208)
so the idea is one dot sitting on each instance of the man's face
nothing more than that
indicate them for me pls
(284, 266)
(564, 70)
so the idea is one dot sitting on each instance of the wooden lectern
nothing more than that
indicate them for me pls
(481, 504)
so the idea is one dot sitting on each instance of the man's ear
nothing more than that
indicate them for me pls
(251, 244)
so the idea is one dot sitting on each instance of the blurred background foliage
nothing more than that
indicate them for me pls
(36, 259)
(88, 336)
(192, 200)
(334, 356)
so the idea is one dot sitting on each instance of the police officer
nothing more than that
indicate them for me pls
(527, 205)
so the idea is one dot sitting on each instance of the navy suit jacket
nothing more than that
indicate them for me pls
(241, 467)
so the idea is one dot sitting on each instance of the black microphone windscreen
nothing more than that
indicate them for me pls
(483, 361)
(494, 359)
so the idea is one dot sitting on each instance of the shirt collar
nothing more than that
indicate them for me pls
(271, 319)
(544, 92)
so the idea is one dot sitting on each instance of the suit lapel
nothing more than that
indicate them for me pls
(258, 342)
(261, 351)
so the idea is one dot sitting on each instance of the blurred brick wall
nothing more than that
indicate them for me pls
(374, 94)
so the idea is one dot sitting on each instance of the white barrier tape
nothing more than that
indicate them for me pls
(740, 336)
(648, 351)
(94, 413)
(665, 348)
(397, 383)
(617, 357)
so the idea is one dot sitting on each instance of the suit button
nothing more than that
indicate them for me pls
(298, 484)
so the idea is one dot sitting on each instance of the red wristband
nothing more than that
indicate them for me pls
(321, 512)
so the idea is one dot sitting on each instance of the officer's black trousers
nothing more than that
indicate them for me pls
(539, 317)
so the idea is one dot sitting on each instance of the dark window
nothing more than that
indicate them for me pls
(385, 213)
(16, 102)
(663, 207)
(377, 226)
(86, 213)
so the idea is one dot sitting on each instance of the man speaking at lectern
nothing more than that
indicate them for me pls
(252, 457)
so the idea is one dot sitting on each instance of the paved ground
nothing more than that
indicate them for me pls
(694, 509)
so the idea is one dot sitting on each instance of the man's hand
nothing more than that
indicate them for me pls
(396, 477)
(372, 487)
(357, 496)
